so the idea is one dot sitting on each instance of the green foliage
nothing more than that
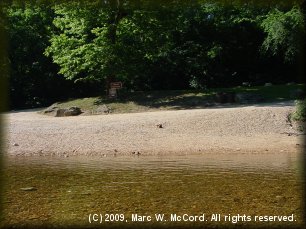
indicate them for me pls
(4, 69)
(28, 30)
(172, 99)
(150, 45)
(73, 49)
(172, 46)
(33, 77)
(285, 33)
(300, 112)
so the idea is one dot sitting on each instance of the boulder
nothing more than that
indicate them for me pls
(60, 112)
(50, 110)
(102, 109)
(72, 111)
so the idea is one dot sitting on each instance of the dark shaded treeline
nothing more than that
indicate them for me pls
(67, 49)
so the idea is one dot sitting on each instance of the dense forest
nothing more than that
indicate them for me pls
(58, 50)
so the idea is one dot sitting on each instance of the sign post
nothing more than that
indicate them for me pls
(116, 85)
(112, 93)
(113, 89)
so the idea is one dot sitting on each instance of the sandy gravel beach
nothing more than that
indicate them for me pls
(253, 128)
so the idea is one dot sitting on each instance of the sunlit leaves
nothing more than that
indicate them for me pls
(171, 45)
(285, 32)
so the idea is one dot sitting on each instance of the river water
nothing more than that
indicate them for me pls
(237, 188)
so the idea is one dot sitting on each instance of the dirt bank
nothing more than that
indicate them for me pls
(255, 128)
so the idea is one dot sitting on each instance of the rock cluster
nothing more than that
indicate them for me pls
(62, 112)
(102, 109)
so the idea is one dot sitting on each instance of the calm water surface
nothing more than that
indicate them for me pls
(66, 190)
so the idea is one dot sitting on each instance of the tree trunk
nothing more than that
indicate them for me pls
(116, 15)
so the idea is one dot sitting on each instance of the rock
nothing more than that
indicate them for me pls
(50, 109)
(246, 98)
(15, 144)
(159, 125)
(102, 109)
(28, 189)
(60, 112)
(280, 198)
(268, 84)
(72, 111)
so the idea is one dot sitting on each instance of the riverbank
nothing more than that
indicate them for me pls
(141, 101)
(254, 128)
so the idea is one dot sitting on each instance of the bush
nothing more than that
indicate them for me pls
(300, 112)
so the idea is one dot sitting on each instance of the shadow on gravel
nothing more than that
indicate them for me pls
(175, 102)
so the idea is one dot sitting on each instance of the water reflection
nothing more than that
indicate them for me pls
(68, 189)
(247, 161)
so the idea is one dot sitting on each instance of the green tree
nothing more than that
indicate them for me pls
(32, 75)
(85, 45)
(285, 33)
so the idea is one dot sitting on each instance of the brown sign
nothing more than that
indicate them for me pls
(116, 85)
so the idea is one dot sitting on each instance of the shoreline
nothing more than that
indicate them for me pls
(294, 150)
(247, 129)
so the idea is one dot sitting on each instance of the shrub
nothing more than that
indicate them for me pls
(300, 112)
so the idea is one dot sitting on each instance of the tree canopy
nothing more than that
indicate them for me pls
(151, 45)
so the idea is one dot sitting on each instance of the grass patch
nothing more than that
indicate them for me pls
(272, 93)
(129, 102)
(300, 112)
